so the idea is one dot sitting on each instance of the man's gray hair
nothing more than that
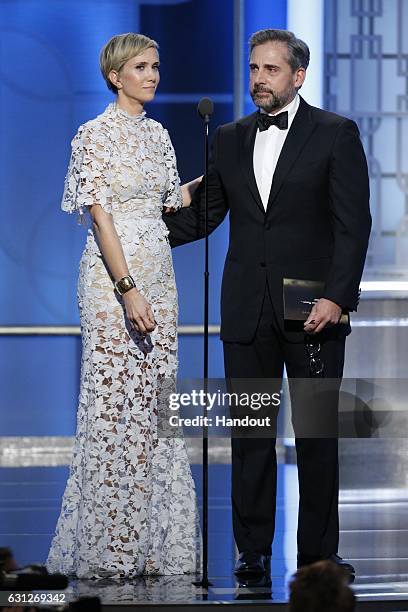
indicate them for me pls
(298, 51)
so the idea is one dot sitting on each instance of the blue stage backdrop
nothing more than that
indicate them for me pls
(50, 84)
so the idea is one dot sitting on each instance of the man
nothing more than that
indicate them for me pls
(294, 180)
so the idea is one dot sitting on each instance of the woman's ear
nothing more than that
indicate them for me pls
(113, 76)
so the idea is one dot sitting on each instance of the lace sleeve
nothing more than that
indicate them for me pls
(86, 182)
(173, 198)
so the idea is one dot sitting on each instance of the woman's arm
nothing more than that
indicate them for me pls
(138, 310)
(187, 191)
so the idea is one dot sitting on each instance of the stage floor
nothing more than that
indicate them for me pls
(374, 537)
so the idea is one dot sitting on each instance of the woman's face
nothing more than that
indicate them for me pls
(139, 77)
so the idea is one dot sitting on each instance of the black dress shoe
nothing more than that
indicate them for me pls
(255, 582)
(252, 563)
(347, 567)
(308, 560)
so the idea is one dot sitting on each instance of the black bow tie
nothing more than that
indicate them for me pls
(265, 121)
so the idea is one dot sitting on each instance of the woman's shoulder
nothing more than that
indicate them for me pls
(95, 128)
(160, 130)
(100, 122)
(155, 125)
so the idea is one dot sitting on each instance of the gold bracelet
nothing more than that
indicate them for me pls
(125, 284)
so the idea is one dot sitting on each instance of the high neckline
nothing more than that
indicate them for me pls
(122, 113)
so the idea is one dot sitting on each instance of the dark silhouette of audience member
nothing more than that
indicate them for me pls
(7, 560)
(321, 587)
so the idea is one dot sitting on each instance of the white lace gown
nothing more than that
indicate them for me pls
(129, 507)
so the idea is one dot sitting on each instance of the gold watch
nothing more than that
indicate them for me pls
(124, 285)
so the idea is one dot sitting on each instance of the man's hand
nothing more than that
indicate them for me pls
(323, 314)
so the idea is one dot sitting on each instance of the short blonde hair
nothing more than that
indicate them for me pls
(119, 49)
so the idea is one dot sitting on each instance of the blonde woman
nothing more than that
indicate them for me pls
(129, 507)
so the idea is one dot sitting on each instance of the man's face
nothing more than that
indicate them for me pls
(272, 84)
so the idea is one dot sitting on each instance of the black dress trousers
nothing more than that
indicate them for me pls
(254, 466)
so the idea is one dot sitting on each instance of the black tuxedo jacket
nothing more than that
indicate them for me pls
(316, 225)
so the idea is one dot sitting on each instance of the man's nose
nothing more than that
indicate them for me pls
(260, 77)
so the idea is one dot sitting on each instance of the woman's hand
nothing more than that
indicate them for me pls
(138, 311)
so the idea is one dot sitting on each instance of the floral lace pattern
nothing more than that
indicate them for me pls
(129, 507)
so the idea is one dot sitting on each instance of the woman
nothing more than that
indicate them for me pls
(129, 507)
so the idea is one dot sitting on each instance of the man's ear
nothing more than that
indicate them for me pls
(300, 77)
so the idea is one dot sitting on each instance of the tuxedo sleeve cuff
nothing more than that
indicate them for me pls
(345, 307)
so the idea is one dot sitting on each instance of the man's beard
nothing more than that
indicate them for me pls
(273, 101)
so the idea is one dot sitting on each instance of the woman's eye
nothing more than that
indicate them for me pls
(141, 67)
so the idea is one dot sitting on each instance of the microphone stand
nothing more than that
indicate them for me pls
(205, 110)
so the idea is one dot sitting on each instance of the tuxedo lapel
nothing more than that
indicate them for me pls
(246, 131)
(299, 132)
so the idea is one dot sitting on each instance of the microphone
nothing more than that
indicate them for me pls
(205, 109)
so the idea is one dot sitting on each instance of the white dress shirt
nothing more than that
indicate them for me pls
(268, 147)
